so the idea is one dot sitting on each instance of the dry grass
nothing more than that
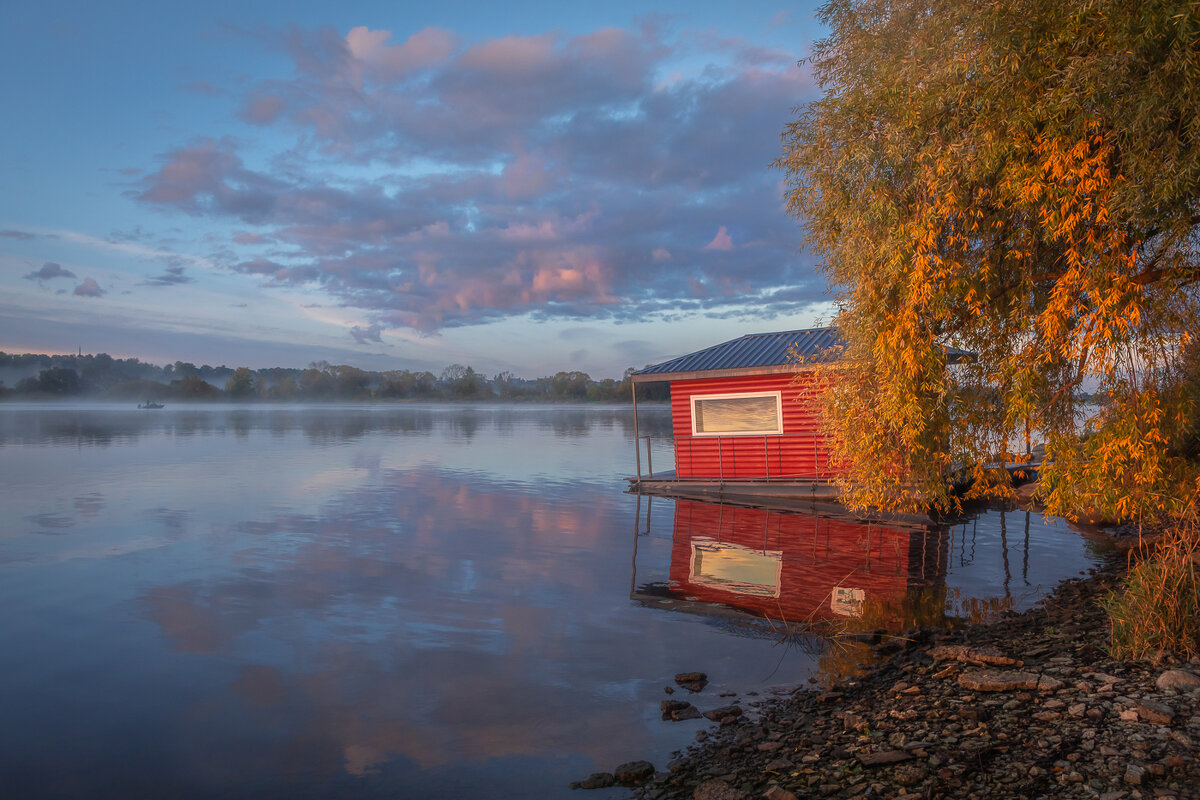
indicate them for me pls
(1156, 610)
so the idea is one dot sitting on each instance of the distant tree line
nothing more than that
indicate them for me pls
(34, 376)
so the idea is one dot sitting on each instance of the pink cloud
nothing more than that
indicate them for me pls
(386, 196)
(89, 288)
(722, 241)
(525, 176)
(548, 229)
(574, 274)
(511, 54)
(262, 108)
(389, 62)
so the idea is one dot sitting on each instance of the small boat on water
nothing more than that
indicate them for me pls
(150, 404)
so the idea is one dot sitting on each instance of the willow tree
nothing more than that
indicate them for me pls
(1019, 179)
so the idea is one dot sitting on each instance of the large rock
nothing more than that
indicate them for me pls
(853, 722)
(1179, 680)
(971, 655)
(692, 681)
(886, 757)
(690, 677)
(1151, 711)
(778, 793)
(633, 773)
(718, 714)
(678, 710)
(597, 780)
(997, 680)
(909, 774)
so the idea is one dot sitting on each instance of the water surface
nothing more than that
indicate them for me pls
(395, 601)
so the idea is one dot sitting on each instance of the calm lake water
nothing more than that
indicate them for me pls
(407, 601)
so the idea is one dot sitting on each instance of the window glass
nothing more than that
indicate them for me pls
(752, 413)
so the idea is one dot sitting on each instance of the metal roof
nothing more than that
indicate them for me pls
(752, 354)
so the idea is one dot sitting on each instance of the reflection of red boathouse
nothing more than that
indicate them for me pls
(797, 567)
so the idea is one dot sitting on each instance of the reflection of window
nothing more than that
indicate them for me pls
(737, 569)
(846, 601)
(749, 413)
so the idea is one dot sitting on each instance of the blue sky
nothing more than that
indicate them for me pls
(520, 186)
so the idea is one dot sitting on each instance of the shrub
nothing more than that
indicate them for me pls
(1156, 610)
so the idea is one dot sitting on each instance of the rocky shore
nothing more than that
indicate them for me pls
(1029, 706)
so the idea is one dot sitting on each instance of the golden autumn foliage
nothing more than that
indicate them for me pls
(1019, 179)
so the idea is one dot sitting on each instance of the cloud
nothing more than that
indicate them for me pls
(722, 241)
(430, 182)
(23, 235)
(250, 237)
(202, 87)
(263, 108)
(780, 19)
(89, 288)
(171, 276)
(370, 334)
(208, 177)
(49, 271)
(383, 62)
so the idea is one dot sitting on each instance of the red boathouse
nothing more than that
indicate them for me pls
(738, 430)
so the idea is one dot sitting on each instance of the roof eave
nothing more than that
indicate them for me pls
(738, 372)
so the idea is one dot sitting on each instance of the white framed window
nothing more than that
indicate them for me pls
(745, 414)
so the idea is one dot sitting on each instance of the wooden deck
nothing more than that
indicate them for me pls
(815, 495)
(670, 485)
(783, 494)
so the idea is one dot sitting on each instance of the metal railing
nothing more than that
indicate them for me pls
(795, 456)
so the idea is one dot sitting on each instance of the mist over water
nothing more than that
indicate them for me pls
(398, 600)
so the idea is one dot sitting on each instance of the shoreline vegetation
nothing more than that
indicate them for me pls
(1010, 180)
(1031, 704)
(36, 376)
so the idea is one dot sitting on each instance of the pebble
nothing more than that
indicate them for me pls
(717, 790)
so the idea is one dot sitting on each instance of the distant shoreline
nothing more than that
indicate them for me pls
(100, 377)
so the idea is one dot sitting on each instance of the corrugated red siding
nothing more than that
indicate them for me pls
(818, 554)
(798, 453)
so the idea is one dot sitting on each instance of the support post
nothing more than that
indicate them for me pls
(637, 442)
(720, 461)
(816, 457)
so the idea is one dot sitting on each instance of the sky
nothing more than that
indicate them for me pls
(523, 187)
